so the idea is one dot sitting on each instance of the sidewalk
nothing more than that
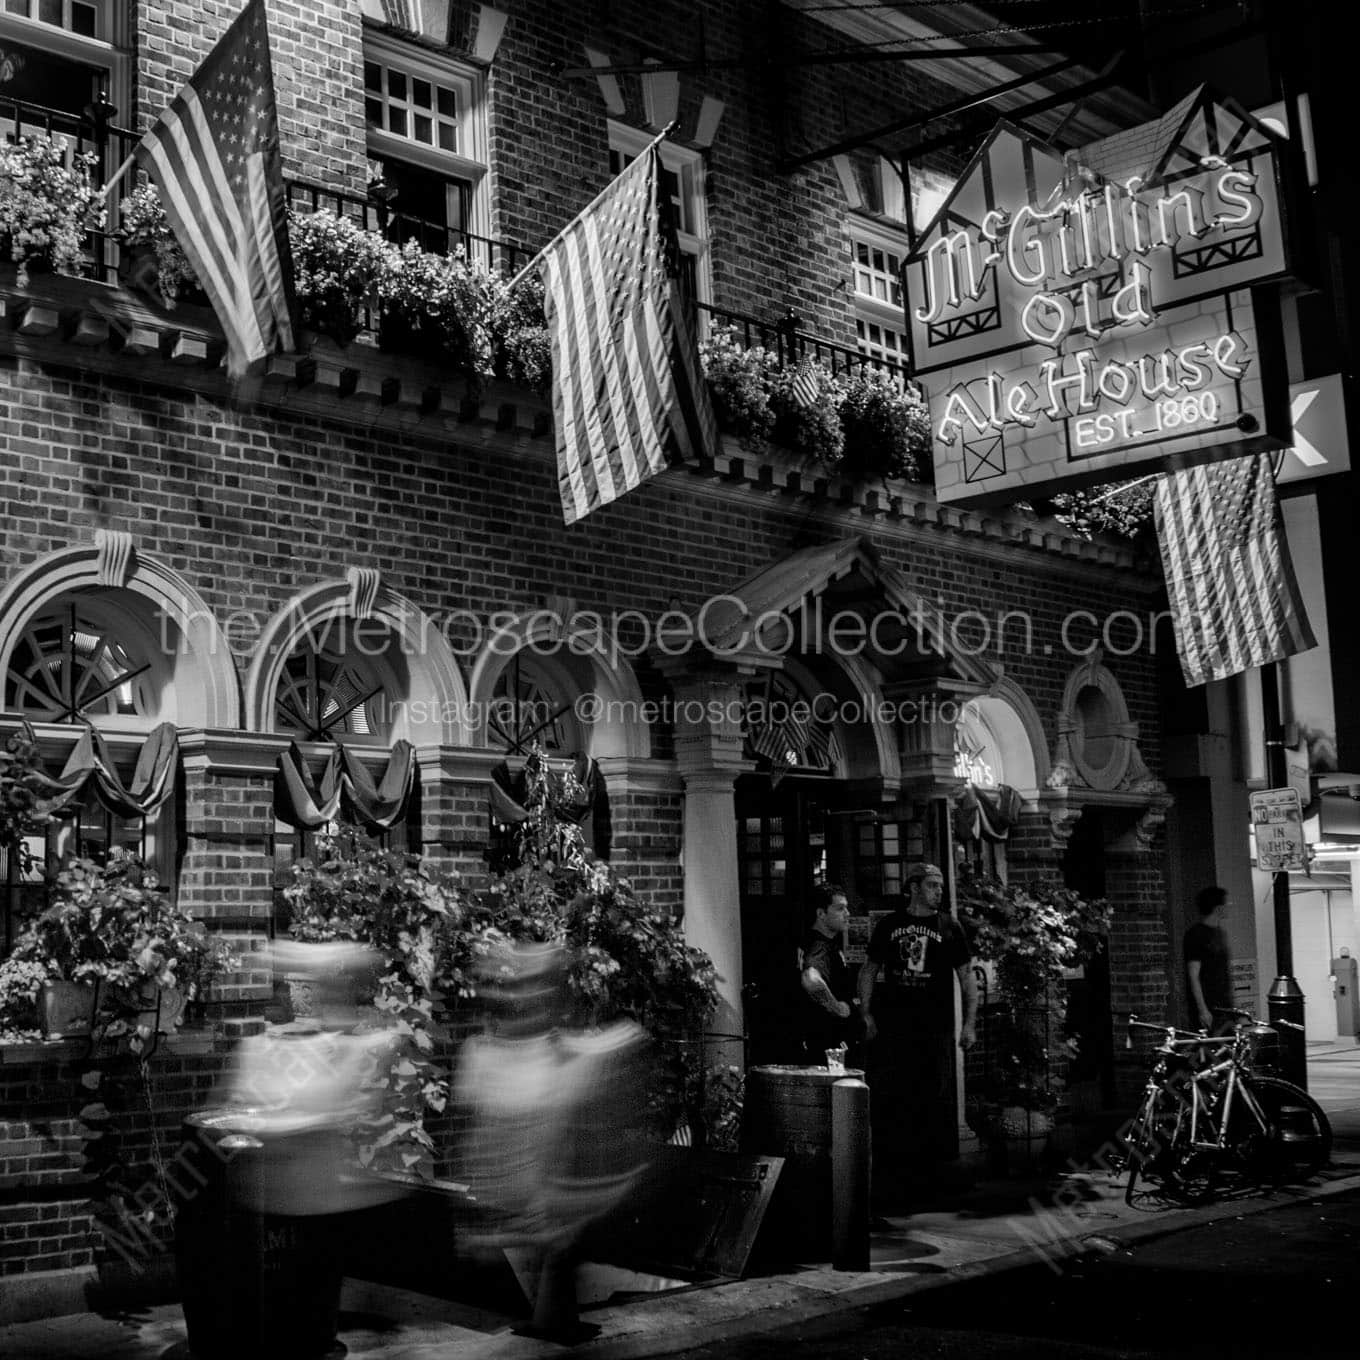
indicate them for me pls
(996, 1226)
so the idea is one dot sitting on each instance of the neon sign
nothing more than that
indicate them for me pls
(1069, 317)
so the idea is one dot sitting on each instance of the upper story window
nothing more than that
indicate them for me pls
(56, 54)
(876, 255)
(682, 191)
(427, 127)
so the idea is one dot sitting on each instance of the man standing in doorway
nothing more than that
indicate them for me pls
(1208, 964)
(908, 1017)
(829, 1018)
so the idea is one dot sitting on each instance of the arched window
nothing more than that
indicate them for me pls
(89, 661)
(786, 730)
(534, 702)
(343, 685)
(338, 685)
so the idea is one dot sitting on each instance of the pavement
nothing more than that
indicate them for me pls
(995, 1226)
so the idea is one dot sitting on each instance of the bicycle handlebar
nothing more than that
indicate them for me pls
(1247, 1015)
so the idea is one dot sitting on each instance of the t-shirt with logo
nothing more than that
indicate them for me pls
(919, 956)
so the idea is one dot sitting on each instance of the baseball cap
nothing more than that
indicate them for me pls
(922, 870)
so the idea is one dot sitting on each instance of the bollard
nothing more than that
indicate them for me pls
(850, 1175)
(1285, 1002)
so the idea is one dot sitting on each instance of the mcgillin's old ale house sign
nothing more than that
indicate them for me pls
(1078, 317)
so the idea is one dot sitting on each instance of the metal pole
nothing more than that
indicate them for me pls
(850, 1175)
(1285, 1000)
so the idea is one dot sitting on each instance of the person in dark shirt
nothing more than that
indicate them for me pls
(1208, 964)
(908, 1015)
(829, 1018)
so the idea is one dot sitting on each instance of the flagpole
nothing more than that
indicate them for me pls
(118, 174)
(528, 268)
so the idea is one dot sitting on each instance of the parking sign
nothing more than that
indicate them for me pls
(1277, 821)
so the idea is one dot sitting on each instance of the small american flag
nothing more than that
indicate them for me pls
(627, 390)
(805, 386)
(214, 156)
(1235, 601)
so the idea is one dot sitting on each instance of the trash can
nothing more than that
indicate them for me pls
(254, 1278)
(787, 1114)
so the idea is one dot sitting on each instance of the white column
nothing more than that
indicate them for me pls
(708, 743)
(712, 900)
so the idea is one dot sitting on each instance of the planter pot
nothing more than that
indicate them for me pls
(66, 1008)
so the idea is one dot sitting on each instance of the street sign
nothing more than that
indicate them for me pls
(1318, 411)
(1277, 821)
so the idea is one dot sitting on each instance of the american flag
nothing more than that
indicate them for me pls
(805, 386)
(214, 156)
(627, 390)
(1235, 602)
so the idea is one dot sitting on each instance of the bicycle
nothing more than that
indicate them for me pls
(1206, 1109)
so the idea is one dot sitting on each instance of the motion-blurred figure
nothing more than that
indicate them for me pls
(557, 1122)
(301, 1086)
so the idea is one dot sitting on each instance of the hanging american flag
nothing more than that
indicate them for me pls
(627, 391)
(214, 156)
(804, 386)
(1235, 602)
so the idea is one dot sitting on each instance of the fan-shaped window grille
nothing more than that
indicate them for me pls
(332, 690)
(68, 667)
(526, 707)
(787, 729)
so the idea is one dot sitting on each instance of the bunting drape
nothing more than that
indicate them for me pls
(91, 767)
(571, 792)
(308, 804)
(987, 816)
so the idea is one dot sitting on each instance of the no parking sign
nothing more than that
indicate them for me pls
(1277, 821)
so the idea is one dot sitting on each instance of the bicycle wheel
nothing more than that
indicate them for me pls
(1153, 1141)
(1298, 1142)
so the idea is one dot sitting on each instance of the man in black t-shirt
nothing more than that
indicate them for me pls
(829, 1017)
(908, 1015)
(1208, 964)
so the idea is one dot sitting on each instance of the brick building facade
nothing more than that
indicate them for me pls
(217, 531)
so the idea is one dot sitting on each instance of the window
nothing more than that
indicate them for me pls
(682, 191)
(876, 255)
(426, 128)
(57, 54)
(84, 661)
(333, 686)
(528, 707)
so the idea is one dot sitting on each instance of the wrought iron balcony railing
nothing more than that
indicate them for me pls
(112, 146)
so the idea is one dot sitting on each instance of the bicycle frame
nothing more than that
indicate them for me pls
(1217, 1119)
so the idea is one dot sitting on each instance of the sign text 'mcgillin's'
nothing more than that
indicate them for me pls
(1077, 236)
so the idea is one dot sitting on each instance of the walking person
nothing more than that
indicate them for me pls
(1208, 964)
(906, 992)
(829, 1015)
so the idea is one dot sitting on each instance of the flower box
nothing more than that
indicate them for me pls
(66, 1008)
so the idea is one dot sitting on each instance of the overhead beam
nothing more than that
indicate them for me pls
(837, 57)
(921, 120)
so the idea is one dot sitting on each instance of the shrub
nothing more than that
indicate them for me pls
(739, 381)
(886, 428)
(46, 204)
(339, 268)
(142, 222)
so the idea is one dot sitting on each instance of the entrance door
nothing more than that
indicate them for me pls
(781, 848)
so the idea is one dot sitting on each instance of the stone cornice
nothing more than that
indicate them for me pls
(99, 328)
(238, 753)
(628, 774)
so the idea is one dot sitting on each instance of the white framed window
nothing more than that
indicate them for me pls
(876, 255)
(426, 119)
(56, 53)
(683, 189)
